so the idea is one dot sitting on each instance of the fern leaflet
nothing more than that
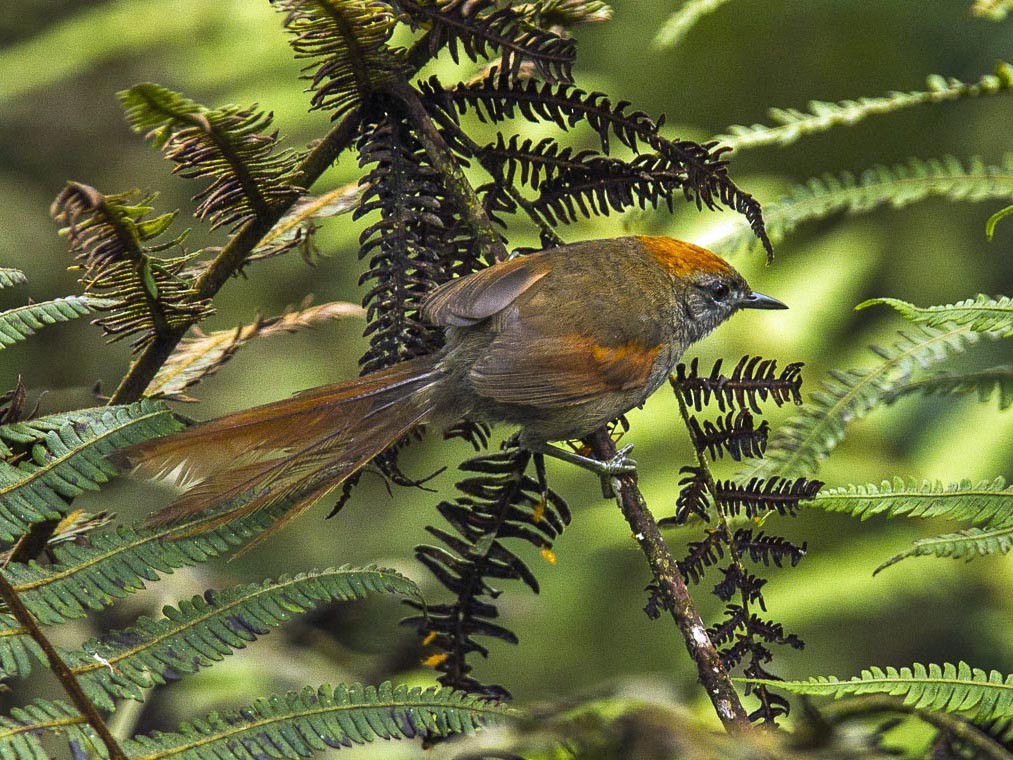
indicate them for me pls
(296, 724)
(950, 688)
(791, 124)
(10, 277)
(19, 323)
(982, 503)
(808, 437)
(54, 459)
(229, 146)
(205, 629)
(964, 544)
(980, 314)
(897, 186)
(986, 383)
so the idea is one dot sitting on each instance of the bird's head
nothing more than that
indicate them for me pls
(708, 289)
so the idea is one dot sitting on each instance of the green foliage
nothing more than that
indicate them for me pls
(230, 146)
(982, 503)
(994, 220)
(964, 544)
(951, 688)
(993, 10)
(897, 186)
(981, 314)
(346, 42)
(997, 381)
(202, 631)
(293, 725)
(677, 26)
(792, 125)
(113, 240)
(10, 277)
(22, 731)
(54, 459)
(20, 323)
(296, 724)
(820, 425)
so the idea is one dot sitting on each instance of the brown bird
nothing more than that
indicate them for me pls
(558, 343)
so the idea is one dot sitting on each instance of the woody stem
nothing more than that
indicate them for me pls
(712, 673)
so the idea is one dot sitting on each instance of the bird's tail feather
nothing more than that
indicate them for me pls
(292, 451)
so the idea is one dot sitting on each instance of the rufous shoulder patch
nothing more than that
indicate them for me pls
(681, 259)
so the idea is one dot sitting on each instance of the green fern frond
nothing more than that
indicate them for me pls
(346, 44)
(297, 724)
(982, 503)
(229, 146)
(113, 240)
(980, 314)
(897, 186)
(53, 459)
(964, 544)
(111, 566)
(22, 731)
(675, 28)
(791, 125)
(948, 688)
(993, 10)
(11, 277)
(199, 357)
(19, 323)
(809, 436)
(204, 630)
(986, 383)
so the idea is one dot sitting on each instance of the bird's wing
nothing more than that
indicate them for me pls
(469, 300)
(558, 371)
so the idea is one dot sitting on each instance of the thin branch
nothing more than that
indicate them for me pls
(232, 257)
(960, 728)
(712, 673)
(60, 669)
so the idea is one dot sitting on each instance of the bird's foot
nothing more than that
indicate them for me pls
(607, 469)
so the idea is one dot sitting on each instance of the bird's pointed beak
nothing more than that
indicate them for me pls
(759, 301)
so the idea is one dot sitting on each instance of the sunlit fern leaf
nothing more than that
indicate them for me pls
(19, 323)
(949, 688)
(204, 354)
(982, 503)
(297, 724)
(346, 44)
(23, 732)
(980, 314)
(53, 459)
(820, 425)
(996, 381)
(791, 125)
(897, 186)
(10, 277)
(205, 629)
(702, 168)
(564, 13)
(295, 229)
(993, 10)
(675, 28)
(228, 146)
(113, 240)
(964, 544)
(482, 27)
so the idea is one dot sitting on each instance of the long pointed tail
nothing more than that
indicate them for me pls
(292, 451)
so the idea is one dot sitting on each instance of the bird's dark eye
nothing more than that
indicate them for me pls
(718, 290)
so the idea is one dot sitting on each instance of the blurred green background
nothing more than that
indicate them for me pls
(62, 62)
